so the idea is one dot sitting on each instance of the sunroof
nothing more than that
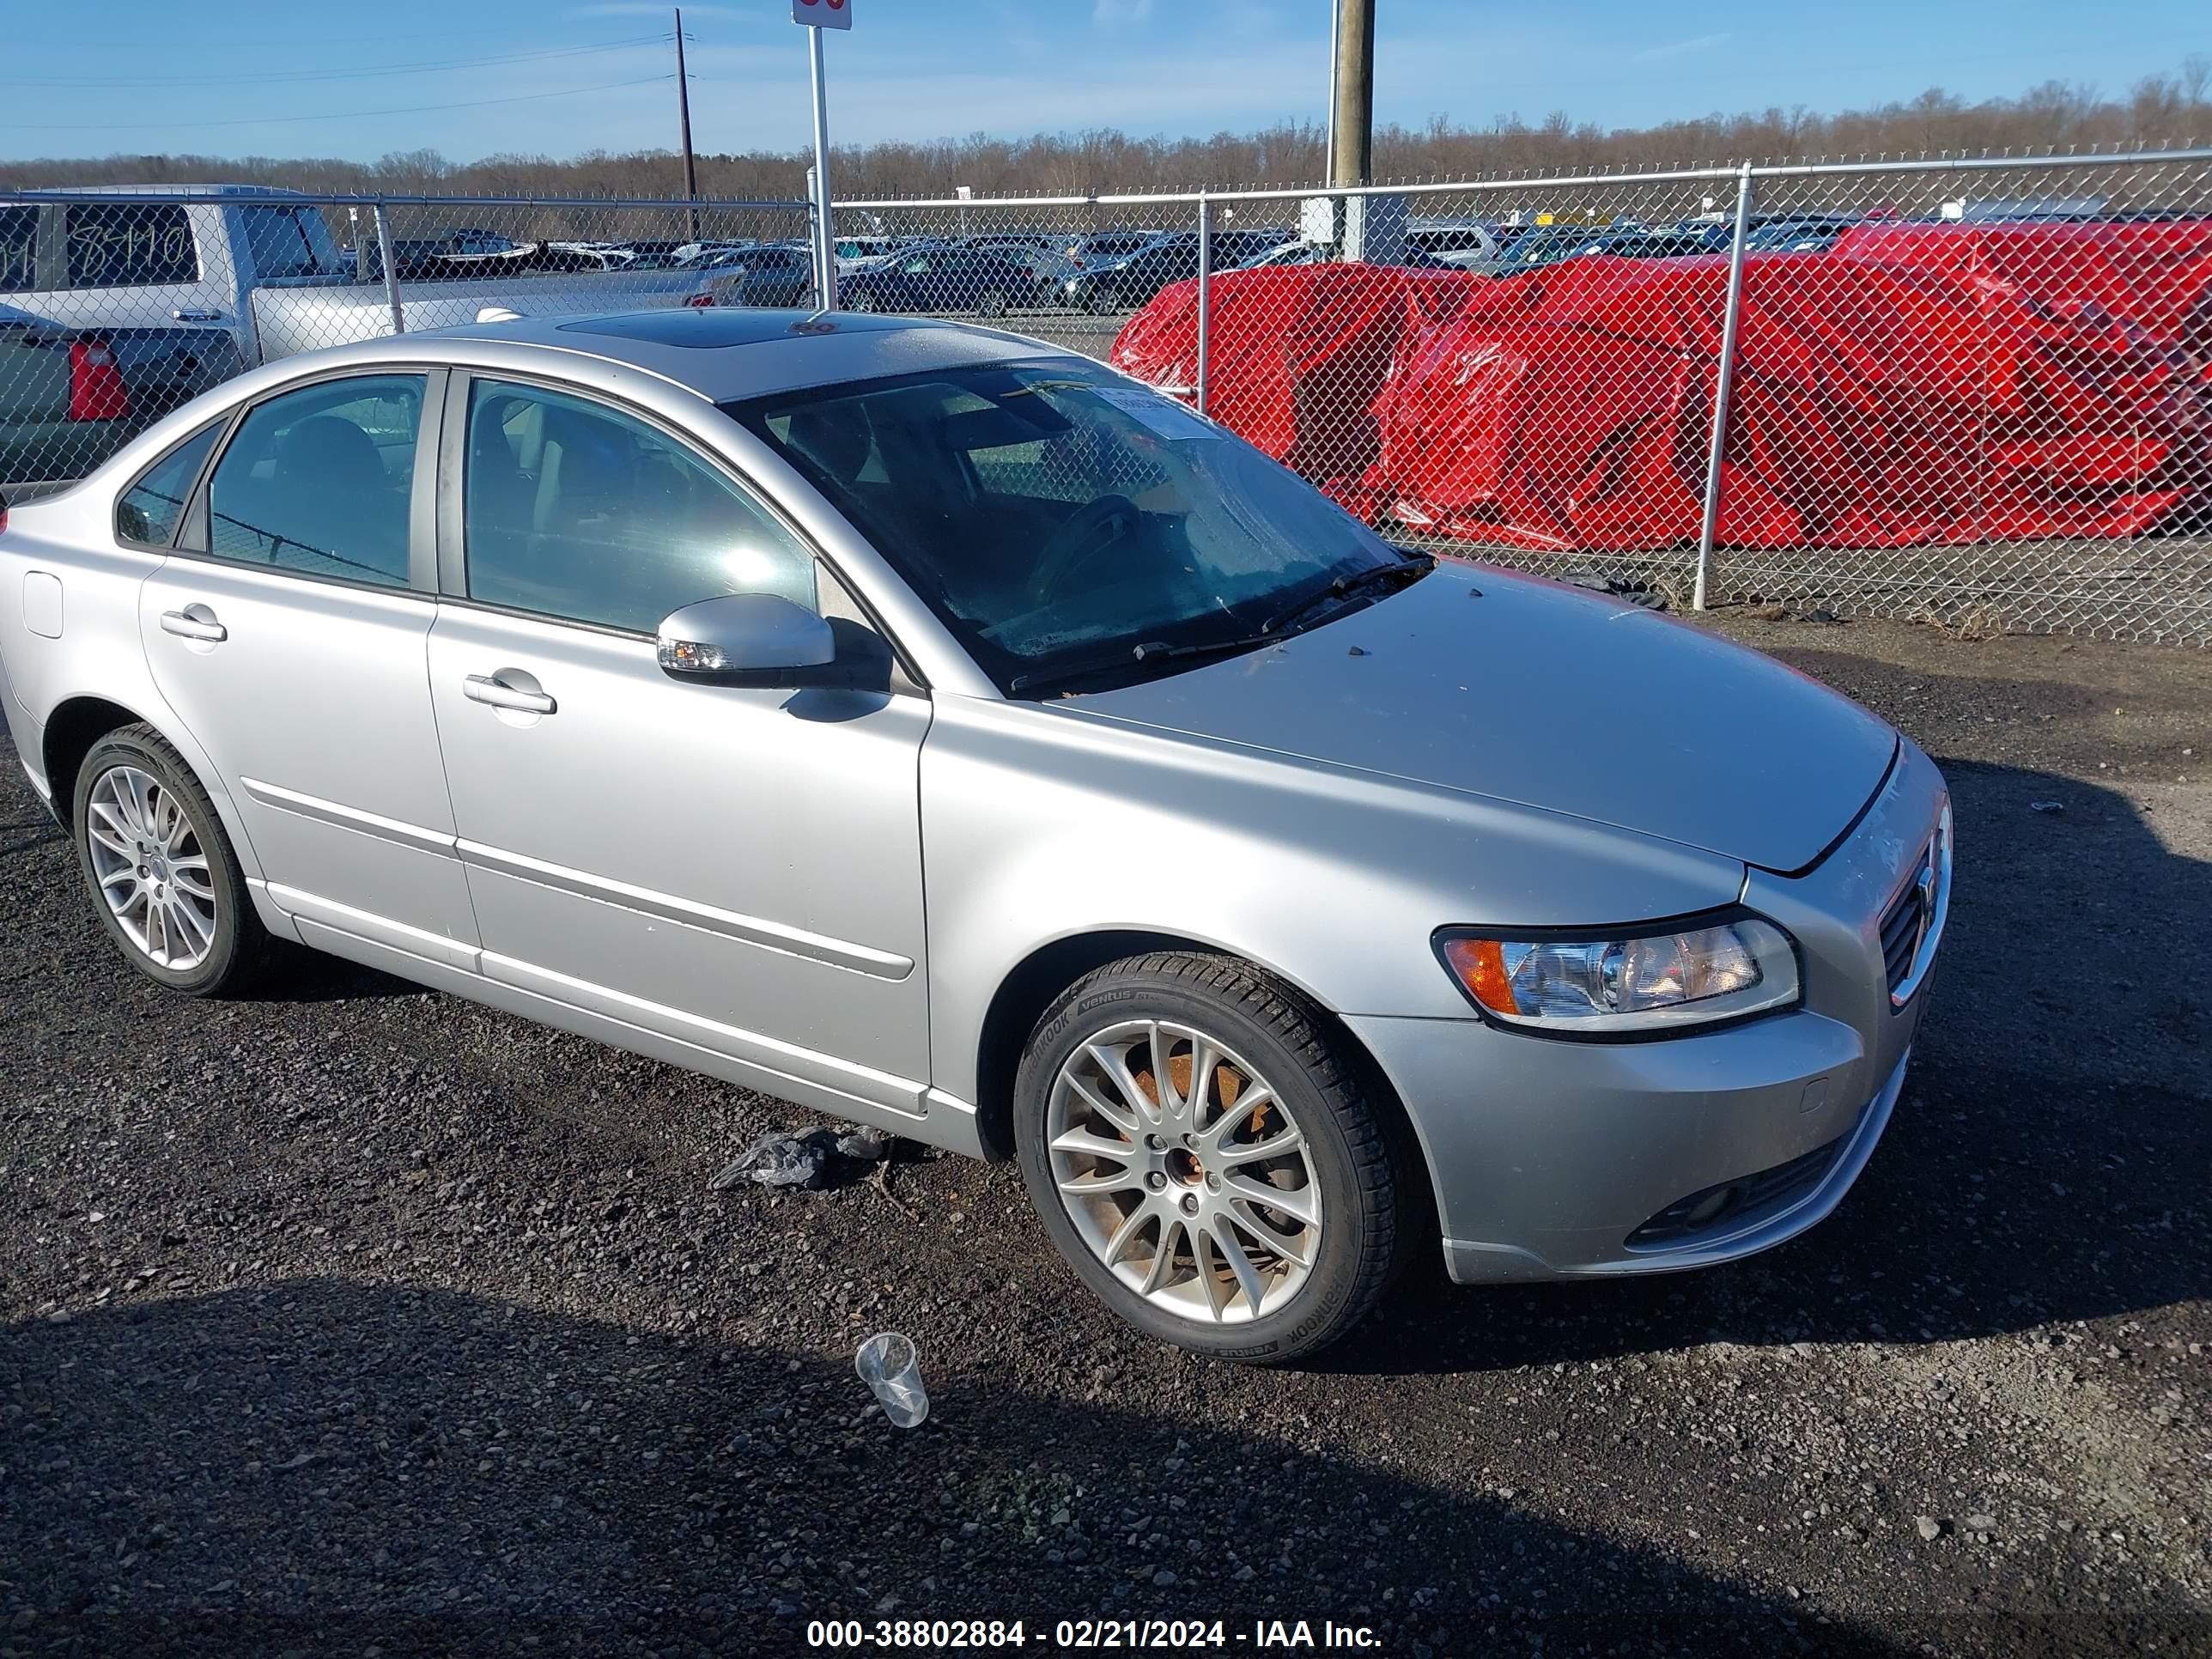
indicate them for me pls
(708, 326)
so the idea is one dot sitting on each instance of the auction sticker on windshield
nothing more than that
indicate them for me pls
(1162, 415)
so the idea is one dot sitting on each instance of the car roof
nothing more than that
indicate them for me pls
(724, 353)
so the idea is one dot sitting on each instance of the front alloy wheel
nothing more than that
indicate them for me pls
(1184, 1172)
(1213, 1157)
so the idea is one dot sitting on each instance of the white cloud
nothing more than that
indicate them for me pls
(1681, 48)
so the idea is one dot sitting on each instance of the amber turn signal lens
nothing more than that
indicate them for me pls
(1480, 965)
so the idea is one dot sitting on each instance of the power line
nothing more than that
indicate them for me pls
(331, 115)
(432, 67)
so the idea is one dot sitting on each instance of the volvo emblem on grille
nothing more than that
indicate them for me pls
(1924, 895)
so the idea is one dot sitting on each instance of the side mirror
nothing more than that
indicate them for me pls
(746, 639)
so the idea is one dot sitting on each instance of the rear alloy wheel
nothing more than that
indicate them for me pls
(1208, 1158)
(1102, 302)
(991, 303)
(163, 874)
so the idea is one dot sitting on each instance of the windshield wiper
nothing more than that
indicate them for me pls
(1409, 569)
(1126, 660)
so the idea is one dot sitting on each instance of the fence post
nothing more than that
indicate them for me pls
(1724, 386)
(1204, 289)
(390, 268)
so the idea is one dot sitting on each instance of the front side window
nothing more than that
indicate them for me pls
(128, 244)
(319, 481)
(149, 509)
(574, 510)
(1057, 515)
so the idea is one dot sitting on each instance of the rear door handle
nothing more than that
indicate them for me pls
(185, 626)
(482, 688)
(200, 315)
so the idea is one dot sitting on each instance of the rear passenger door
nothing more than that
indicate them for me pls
(288, 630)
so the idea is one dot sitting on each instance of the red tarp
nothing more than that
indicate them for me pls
(1915, 383)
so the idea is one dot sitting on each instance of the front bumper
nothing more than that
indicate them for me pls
(1558, 1160)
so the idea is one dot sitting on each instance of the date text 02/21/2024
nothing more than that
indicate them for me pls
(1078, 1635)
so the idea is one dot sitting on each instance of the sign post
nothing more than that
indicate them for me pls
(816, 15)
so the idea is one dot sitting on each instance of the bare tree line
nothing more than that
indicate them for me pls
(2158, 111)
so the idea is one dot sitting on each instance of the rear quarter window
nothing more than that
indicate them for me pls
(129, 245)
(149, 509)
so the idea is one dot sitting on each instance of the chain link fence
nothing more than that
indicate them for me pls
(1976, 392)
(117, 305)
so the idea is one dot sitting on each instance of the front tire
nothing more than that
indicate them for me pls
(1210, 1158)
(164, 879)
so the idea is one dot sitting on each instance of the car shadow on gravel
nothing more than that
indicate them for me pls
(21, 837)
(319, 1466)
(302, 976)
(2045, 1165)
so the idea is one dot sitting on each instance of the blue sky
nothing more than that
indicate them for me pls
(598, 75)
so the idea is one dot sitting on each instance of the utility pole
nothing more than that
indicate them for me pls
(1329, 143)
(683, 120)
(1352, 120)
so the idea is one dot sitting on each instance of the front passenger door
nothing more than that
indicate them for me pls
(738, 870)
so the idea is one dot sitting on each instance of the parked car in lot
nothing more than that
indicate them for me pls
(856, 253)
(943, 731)
(939, 278)
(1040, 260)
(70, 397)
(1094, 247)
(1461, 242)
(766, 276)
(1548, 244)
(1808, 233)
(184, 294)
(1131, 280)
(1295, 252)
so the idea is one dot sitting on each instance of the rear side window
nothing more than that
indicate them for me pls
(149, 509)
(19, 249)
(128, 245)
(289, 241)
(319, 481)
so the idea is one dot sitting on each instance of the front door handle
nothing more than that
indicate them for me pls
(185, 626)
(199, 314)
(483, 687)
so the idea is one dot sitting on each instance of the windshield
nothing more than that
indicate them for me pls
(1057, 515)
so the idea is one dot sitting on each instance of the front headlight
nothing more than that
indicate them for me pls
(1630, 982)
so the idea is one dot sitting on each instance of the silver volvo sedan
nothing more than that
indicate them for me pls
(941, 731)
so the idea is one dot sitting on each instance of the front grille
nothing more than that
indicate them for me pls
(1906, 921)
(1715, 1207)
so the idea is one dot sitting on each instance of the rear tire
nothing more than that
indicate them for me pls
(1174, 1204)
(163, 878)
(991, 303)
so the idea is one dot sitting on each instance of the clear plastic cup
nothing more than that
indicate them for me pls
(887, 1364)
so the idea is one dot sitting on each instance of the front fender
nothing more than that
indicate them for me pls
(1041, 823)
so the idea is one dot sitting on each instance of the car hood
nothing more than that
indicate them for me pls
(1549, 696)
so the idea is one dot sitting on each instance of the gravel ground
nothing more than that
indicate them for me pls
(359, 1320)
